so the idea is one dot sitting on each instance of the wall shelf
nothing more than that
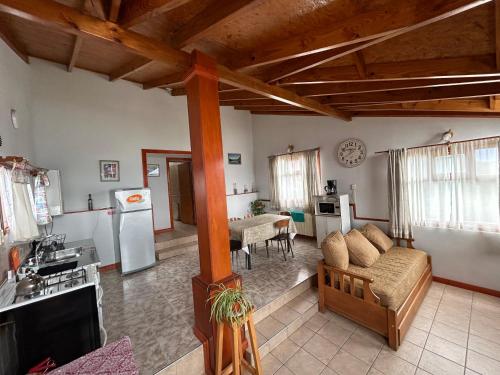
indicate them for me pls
(250, 192)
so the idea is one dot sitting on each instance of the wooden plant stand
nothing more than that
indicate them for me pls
(238, 360)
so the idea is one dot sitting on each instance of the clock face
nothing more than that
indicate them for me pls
(351, 152)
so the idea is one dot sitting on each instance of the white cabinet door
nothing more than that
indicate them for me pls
(333, 224)
(321, 229)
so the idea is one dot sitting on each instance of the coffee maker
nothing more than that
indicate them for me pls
(331, 187)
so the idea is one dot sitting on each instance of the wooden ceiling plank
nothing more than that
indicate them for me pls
(359, 62)
(74, 54)
(248, 103)
(72, 21)
(13, 43)
(114, 10)
(130, 67)
(256, 86)
(216, 13)
(471, 105)
(95, 8)
(138, 11)
(410, 113)
(362, 27)
(425, 68)
(286, 113)
(355, 87)
(269, 108)
(167, 80)
(419, 94)
(494, 103)
(497, 33)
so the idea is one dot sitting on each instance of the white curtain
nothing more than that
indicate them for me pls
(295, 180)
(455, 186)
(399, 208)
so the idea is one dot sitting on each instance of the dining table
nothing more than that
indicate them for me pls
(256, 229)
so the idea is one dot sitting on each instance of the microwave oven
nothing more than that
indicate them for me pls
(327, 205)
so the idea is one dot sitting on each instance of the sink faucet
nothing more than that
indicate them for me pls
(37, 248)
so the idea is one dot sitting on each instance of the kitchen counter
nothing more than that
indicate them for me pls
(89, 254)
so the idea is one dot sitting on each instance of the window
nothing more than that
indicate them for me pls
(295, 179)
(455, 186)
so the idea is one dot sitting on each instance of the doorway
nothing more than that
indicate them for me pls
(168, 173)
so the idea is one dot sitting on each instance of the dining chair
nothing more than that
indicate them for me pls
(234, 247)
(283, 236)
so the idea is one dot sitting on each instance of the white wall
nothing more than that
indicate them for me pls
(458, 255)
(159, 193)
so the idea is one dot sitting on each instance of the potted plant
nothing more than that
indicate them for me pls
(230, 305)
(257, 207)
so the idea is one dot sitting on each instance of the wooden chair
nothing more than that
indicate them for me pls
(282, 236)
(234, 247)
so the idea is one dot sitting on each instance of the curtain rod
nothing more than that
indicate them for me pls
(9, 161)
(294, 152)
(442, 144)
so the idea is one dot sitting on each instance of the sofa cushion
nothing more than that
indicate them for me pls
(377, 237)
(335, 251)
(361, 251)
(394, 274)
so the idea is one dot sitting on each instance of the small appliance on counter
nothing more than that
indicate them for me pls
(331, 187)
(133, 229)
(331, 214)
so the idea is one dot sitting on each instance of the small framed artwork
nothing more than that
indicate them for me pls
(153, 170)
(234, 158)
(110, 170)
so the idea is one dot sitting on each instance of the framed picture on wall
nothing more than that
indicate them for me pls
(153, 170)
(110, 170)
(234, 158)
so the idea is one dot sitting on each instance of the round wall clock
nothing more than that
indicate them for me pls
(351, 152)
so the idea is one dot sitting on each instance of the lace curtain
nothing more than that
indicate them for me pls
(295, 180)
(455, 186)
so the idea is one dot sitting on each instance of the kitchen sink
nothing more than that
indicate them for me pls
(58, 255)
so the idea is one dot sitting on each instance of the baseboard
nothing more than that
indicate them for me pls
(474, 288)
(159, 231)
(109, 267)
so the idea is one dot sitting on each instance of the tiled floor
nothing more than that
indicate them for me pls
(454, 332)
(180, 230)
(154, 307)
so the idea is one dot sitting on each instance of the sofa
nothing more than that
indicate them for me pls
(389, 281)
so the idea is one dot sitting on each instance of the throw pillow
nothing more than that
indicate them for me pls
(361, 251)
(377, 237)
(335, 251)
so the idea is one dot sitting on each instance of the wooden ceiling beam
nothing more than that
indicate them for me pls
(168, 80)
(114, 10)
(69, 20)
(248, 103)
(409, 113)
(74, 54)
(425, 68)
(359, 62)
(497, 33)
(13, 43)
(269, 108)
(134, 12)
(371, 23)
(285, 113)
(216, 13)
(95, 8)
(134, 65)
(415, 95)
(470, 105)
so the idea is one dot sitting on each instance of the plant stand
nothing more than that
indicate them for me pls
(238, 361)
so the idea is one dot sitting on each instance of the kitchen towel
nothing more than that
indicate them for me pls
(41, 206)
(25, 227)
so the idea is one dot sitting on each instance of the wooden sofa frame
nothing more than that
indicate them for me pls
(367, 310)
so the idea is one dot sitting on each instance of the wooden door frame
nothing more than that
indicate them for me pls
(144, 153)
(168, 161)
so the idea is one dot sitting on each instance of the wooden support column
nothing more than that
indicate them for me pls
(202, 88)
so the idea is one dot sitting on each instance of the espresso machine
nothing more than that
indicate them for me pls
(331, 187)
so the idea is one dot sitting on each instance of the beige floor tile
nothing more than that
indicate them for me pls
(446, 349)
(335, 333)
(470, 372)
(304, 363)
(427, 311)
(438, 365)
(422, 372)
(321, 348)
(270, 364)
(422, 323)
(344, 363)
(449, 333)
(299, 304)
(416, 336)
(311, 295)
(453, 319)
(484, 347)
(364, 346)
(374, 371)
(301, 336)
(409, 352)
(389, 364)
(328, 371)
(485, 327)
(344, 322)
(269, 327)
(283, 371)
(261, 339)
(284, 351)
(317, 321)
(482, 364)
(285, 315)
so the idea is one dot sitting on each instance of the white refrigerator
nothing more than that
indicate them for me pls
(133, 229)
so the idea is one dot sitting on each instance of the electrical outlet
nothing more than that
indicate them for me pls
(353, 187)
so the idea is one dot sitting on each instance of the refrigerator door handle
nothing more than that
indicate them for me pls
(122, 219)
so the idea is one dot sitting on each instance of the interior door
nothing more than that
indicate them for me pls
(187, 213)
